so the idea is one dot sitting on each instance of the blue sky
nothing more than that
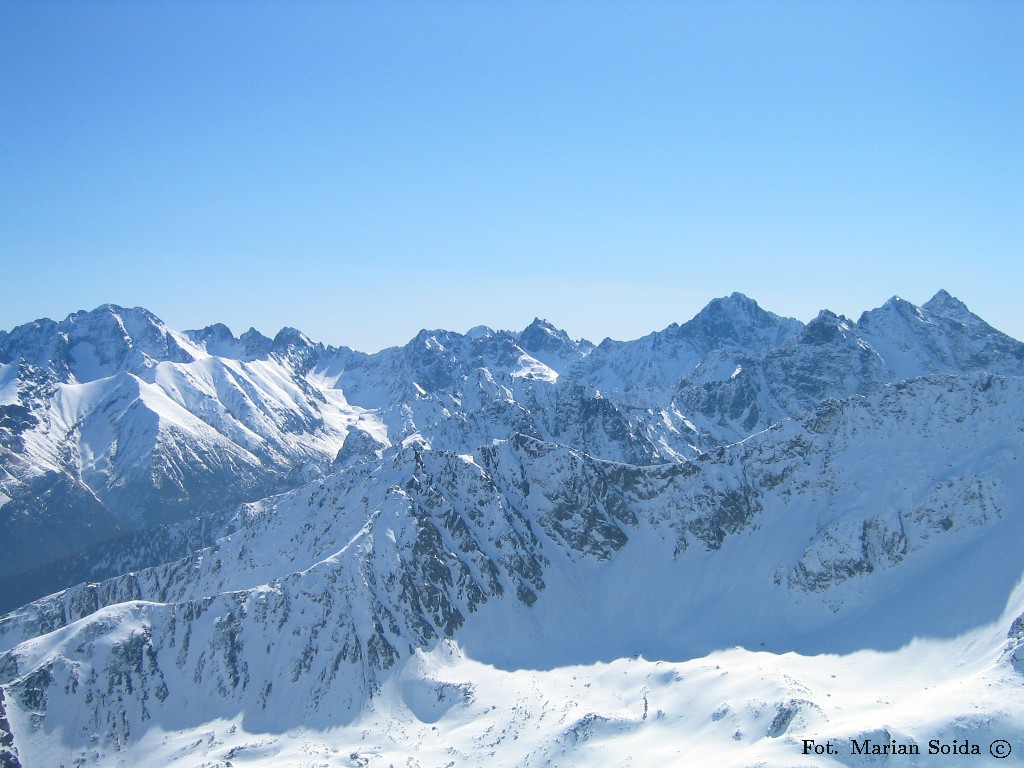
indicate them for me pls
(364, 170)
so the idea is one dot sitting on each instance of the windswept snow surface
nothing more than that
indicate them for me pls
(725, 544)
(733, 707)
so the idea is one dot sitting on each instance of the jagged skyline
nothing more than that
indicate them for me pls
(731, 537)
(363, 171)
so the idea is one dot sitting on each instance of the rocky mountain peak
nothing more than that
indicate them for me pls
(88, 345)
(813, 494)
(218, 340)
(551, 345)
(739, 320)
(945, 304)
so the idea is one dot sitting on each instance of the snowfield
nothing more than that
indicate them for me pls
(731, 708)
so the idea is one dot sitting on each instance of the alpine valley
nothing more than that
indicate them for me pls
(739, 541)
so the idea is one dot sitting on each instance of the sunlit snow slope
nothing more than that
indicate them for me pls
(705, 547)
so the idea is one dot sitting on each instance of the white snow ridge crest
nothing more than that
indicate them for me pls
(739, 541)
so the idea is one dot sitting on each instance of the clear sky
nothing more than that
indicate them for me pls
(361, 170)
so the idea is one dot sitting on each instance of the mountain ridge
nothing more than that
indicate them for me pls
(306, 543)
(364, 620)
(60, 421)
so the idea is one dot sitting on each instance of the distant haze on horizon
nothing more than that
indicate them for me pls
(361, 172)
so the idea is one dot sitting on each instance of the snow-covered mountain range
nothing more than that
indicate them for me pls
(700, 547)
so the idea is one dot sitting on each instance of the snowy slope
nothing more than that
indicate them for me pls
(332, 605)
(129, 441)
(136, 425)
(118, 424)
(512, 548)
(730, 396)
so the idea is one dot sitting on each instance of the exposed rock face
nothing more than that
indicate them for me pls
(111, 423)
(330, 587)
(8, 752)
(739, 479)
